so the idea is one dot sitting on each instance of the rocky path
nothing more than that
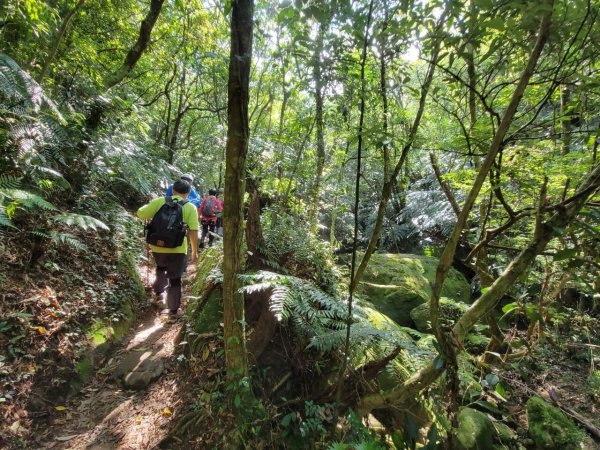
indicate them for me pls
(131, 402)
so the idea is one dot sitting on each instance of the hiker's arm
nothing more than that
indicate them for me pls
(194, 244)
(147, 211)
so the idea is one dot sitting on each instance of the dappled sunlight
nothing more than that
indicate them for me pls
(145, 332)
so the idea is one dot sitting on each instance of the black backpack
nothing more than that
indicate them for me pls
(166, 229)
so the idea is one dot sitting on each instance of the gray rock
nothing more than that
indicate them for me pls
(138, 369)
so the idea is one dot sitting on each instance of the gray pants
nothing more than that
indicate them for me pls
(169, 269)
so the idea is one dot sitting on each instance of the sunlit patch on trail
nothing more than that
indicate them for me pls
(145, 332)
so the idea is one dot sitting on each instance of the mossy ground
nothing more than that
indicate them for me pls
(550, 428)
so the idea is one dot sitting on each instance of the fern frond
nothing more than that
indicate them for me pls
(256, 287)
(362, 335)
(40, 234)
(4, 219)
(28, 199)
(9, 182)
(80, 220)
(68, 239)
(277, 301)
(21, 90)
(216, 276)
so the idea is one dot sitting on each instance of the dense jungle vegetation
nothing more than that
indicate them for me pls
(411, 246)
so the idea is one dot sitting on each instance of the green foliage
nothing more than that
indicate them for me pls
(309, 426)
(290, 244)
(593, 383)
(82, 221)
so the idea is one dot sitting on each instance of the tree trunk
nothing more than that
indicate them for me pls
(363, 62)
(318, 76)
(235, 173)
(388, 185)
(57, 40)
(254, 235)
(448, 255)
(135, 53)
(181, 110)
(565, 121)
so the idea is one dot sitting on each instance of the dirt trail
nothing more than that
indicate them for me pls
(105, 415)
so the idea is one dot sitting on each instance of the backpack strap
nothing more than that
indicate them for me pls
(169, 199)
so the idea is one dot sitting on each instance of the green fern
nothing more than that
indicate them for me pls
(322, 319)
(9, 182)
(68, 239)
(4, 220)
(296, 298)
(24, 199)
(80, 220)
(21, 91)
(362, 334)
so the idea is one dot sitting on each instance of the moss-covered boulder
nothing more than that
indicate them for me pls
(401, 367)
(397, 283)
(205, 310)
(506, 435)
(475, 430)
(550, 428)
(450, 311)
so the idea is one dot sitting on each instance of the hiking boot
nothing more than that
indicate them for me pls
(158, 300)
(173, 317)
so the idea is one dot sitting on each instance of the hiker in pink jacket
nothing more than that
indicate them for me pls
(209, 210)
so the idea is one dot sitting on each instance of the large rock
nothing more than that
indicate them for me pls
(397, 283)
(475, 430)
(138, 369)
(450, 311)
(550, 428)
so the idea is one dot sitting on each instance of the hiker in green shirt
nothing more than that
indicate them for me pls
(171, 262)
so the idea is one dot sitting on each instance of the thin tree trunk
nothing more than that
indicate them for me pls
(235, 172)
(384, 97)
(181, 110)
(135, 53)
(57, 40)
(388, 185)
(363, 62)
(565, 122)
(448, 254)
(318, 76)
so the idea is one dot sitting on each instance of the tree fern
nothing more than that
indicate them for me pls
(321, 318)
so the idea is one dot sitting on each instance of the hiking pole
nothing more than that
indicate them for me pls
(147, 264)
(147, 257)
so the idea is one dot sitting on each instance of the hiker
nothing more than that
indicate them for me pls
(169, 243)
(221, 199)
(209, 210)
(193, 198)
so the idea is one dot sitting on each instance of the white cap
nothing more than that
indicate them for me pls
(188, 177)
